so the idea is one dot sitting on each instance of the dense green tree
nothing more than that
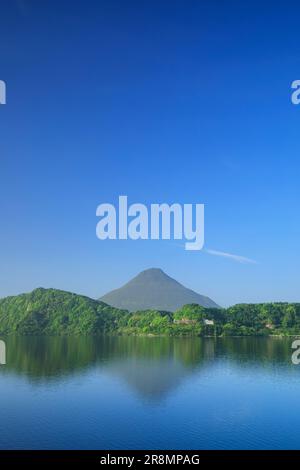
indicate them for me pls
(55, 312)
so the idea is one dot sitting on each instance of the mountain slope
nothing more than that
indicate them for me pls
(56, 312)
(52, 311)
(153, 289)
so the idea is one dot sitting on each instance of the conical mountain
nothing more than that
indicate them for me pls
(154, 289)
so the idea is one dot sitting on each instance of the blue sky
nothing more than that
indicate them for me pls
(164, 101)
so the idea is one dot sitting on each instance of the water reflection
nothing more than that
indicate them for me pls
(152, 366)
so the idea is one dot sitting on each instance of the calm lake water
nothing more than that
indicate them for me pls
(149, 393)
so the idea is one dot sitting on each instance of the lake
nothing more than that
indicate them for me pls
(149, 393)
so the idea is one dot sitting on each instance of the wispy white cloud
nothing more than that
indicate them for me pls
(237, 258)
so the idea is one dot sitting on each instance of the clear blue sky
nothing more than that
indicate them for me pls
(169, 101)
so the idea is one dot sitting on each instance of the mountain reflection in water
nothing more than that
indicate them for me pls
(152, 366)
(149, 393)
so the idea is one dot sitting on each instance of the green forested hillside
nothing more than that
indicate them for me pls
(55, 312)
(51, 311)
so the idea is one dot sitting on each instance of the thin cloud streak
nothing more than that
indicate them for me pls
(238, 259)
